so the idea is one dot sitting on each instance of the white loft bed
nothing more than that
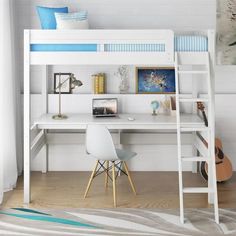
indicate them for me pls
(112, 47)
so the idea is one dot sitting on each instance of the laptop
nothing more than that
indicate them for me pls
(105, 107)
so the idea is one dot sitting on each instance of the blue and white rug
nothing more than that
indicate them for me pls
(97, 222)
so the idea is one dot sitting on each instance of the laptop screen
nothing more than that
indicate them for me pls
(105, 107)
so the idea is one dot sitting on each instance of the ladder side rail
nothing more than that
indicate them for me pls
(212, 182)
(179, 140)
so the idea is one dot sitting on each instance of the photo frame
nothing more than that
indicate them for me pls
(66, 87)
(155, 80)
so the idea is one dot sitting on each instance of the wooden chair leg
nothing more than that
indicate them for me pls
(129, 177)
(106, 174)
(91, 179)
(114, 183)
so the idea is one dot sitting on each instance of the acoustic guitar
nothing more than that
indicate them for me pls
(224, 168)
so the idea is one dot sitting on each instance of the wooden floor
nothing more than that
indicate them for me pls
(155, 190)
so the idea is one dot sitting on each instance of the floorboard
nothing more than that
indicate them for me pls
(154, 190)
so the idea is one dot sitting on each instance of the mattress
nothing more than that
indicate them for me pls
(182, 43)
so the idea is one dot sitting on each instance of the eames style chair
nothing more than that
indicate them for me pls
(99, 145)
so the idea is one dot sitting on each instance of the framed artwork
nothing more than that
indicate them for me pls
(65, 81)
(155, 80)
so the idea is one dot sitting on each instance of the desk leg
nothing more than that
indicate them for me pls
(45, 157)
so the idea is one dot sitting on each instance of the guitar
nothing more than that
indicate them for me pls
(224, 168)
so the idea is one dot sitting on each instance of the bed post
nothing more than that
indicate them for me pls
(45, 110)
(211, 114)
(27, 117)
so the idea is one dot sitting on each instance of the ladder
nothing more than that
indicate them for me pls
(209, 157)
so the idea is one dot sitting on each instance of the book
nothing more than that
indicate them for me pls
(99, 83)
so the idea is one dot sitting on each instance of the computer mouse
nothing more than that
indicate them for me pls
(131, 118)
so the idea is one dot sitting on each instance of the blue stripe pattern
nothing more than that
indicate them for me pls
(50, 219)
(134, 47)
(181, 44)
(191, 44)
(77, 16)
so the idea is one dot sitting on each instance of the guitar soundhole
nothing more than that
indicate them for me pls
(220, 154)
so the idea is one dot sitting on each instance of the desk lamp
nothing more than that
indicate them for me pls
(74, 83)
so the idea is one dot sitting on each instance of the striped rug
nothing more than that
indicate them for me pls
(24, 221)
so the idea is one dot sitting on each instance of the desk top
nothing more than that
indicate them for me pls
(141, 121)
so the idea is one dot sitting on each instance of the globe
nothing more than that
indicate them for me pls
(155, 105)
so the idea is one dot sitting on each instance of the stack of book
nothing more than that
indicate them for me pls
(99, 83)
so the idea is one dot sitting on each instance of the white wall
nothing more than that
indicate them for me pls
(174, 14)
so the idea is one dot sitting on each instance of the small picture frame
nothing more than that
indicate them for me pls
(66, 87)
(155, 80)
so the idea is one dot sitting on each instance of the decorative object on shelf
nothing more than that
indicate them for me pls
(166, 106)
(99, 83)
(155, 106)
(172, 106)
(123, 73)
(73, 83)
(155, 80)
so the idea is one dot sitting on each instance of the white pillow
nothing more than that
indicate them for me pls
(76, 20)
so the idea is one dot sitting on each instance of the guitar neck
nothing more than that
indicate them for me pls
(202, 139)
(205, 118)
(218, 151)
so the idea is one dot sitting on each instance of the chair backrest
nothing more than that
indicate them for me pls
(99, 143)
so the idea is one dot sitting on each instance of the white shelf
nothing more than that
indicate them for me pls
(109, 94)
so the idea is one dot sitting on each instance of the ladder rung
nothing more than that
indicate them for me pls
(193, 100)
(197, 190)
(192, 71)
(192, 129)
(191, 158)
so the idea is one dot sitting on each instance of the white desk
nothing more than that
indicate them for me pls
(142, 121)
(80, 121)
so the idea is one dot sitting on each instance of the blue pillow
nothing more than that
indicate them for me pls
(47, 17)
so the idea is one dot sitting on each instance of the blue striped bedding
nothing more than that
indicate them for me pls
(191, 44)
(181, 44)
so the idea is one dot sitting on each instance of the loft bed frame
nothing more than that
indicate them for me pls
(100, 38)
(100, 41)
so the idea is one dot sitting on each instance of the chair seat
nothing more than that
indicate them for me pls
(125, 155)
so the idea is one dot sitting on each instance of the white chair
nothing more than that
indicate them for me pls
(99, 144)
